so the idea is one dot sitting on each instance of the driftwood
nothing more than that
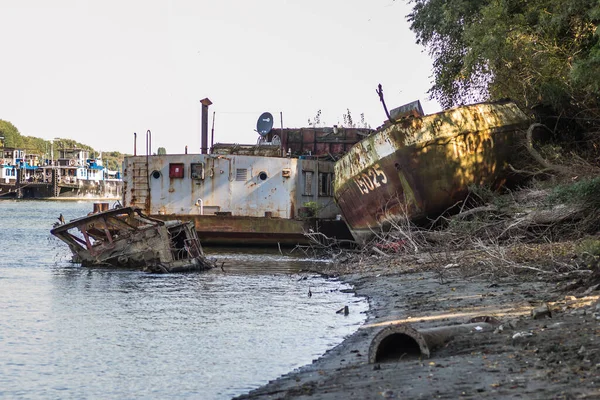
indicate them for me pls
(548, 166)
(438, 237)
(476, 210)
(560, 213)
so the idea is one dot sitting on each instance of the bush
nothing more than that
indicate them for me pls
(585, 192)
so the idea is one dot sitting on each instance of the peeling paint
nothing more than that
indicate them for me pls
(423, 165)
(234, 190)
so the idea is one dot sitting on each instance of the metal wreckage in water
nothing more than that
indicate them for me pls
(126, 238)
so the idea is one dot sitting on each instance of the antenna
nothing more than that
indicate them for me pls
(264, 124)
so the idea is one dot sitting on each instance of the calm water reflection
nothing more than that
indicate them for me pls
(69, 332)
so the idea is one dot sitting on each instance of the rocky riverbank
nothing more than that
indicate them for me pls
(553, 354)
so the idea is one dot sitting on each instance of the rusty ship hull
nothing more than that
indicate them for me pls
(422, 165)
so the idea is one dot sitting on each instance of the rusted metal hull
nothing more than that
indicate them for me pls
(255, 231)
(240, 230)
(125, 238)
(422, 166)
(327, 141)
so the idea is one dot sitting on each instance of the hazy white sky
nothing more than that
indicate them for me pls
(98, 70)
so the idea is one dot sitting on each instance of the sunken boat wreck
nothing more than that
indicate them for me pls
(126, 238)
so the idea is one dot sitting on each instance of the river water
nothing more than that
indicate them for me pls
(68, 332)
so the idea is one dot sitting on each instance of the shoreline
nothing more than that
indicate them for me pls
(98, 199)
(525, 357)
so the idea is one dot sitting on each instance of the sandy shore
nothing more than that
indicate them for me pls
(523, 357)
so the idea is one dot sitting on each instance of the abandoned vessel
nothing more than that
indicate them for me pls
(126, 238)
(421, 165)
(268, 193)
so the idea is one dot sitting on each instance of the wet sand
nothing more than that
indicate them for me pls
(547, 358)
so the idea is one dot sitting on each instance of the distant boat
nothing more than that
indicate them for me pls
(421, 165)
(73, 175)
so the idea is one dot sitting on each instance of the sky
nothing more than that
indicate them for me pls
(97, 71)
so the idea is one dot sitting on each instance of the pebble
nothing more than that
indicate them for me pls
(520, 335)
(541, 312)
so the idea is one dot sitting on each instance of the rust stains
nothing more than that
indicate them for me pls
(423, 165)
(126, 238)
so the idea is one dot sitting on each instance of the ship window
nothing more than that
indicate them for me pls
(262, 176)
(176, 170)
(241, 174)
(197, 171)
(156, 174)
(325, 184)
(308, 178)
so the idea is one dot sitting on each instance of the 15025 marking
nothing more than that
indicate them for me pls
(371, 179)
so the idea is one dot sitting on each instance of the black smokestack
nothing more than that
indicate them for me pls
(204, 145)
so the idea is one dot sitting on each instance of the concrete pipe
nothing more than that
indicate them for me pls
(399, 342)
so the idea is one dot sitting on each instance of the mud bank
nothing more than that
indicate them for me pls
(555, 356)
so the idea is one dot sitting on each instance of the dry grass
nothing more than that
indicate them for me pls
(534, 232)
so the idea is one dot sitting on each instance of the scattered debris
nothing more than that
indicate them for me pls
(521, 335)
(541, 312)
(344, 310)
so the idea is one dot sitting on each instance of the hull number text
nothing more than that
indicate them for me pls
(370, 179)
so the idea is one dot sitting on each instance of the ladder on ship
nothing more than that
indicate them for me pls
(140, 196)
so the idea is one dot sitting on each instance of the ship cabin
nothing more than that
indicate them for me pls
(16, 162)
(8, 173)
(10, 156)
(76, 167)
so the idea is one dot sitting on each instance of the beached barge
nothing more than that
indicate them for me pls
(272, 192)
(421, 165)
(126, 238)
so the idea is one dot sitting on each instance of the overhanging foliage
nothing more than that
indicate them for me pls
(534, 52)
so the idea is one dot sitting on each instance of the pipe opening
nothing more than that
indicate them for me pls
(399, 342)
(396, 347)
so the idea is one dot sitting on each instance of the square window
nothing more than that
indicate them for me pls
(197, 171)
(176, 170)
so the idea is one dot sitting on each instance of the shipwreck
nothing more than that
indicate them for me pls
(417, 165)
(126, 238)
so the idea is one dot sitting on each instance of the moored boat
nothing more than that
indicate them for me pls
(269, 193)
(421, 165)
(73, 175)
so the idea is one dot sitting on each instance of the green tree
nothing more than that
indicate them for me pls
(161, 151)
(113, 160)
(534, 52)
(41, 147)
(12, 137)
